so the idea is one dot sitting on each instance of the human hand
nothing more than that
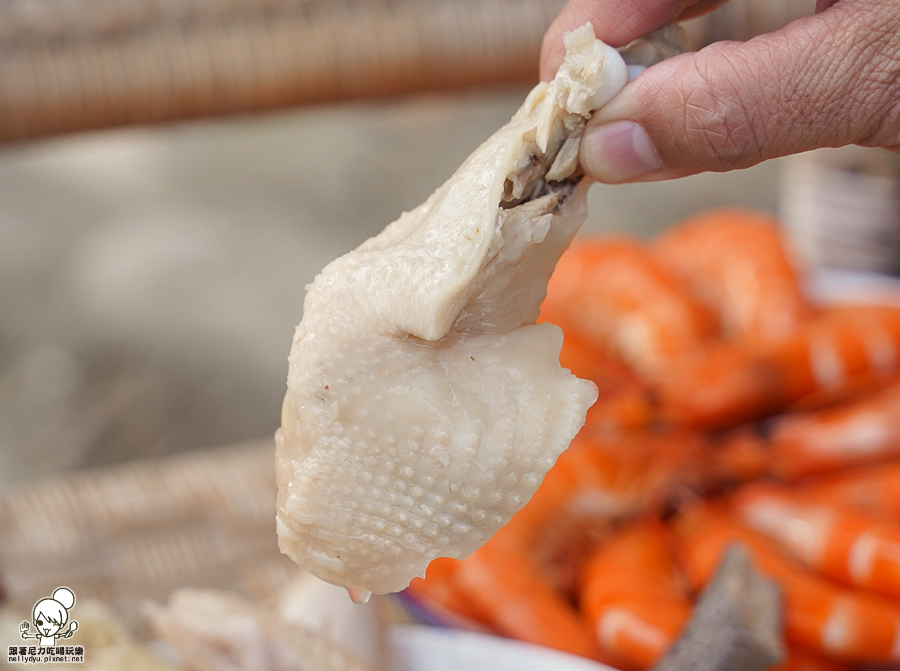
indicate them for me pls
(826, 80)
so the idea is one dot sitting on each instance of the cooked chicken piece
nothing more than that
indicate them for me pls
(216, 631)
(424, 405)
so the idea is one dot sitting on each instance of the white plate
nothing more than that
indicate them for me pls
(439, 648)
(846, 287)
(419, 647)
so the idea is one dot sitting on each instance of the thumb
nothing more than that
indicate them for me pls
(826, 80)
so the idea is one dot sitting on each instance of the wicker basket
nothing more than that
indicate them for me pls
(126, 533)
(76, 64)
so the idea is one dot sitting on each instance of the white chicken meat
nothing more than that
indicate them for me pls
(424, 405)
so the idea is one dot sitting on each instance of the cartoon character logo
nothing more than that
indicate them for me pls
(50, 616)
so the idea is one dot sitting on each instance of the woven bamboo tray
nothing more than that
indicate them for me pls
(127, 533)
(75, 64)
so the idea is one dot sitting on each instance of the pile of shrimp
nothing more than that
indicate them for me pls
(731, 410)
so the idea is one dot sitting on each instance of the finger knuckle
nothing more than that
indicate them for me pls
(721, 125)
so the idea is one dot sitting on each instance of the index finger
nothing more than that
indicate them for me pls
(616, 22)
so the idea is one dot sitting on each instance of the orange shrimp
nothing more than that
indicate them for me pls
(837, 351)
(443, 597)
(598, 481)
(847, 546)
(874, 490)
(520, 579)
(848, 624)
(595, 484)
(640, 472)
(547, 540)
(622, 403)
(612, 293)
(801, 660)
(735, 262)
(615, 477)
(629, 410)
(798, 444)
(561, 524)
(504, 581)
(634, 597)
(591, 362)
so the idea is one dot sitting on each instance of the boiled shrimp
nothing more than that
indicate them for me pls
(634, 597)
(873, 489)
(797, 444)
(600, 481)
(848, 624)
(567, 517)
(803, 660)
(504, 581)
(633, 474)
(516, 582)
(829, 356)
(736, 263)
(612, 293)
(442, 595)
(850, 547)
(594, 362)
(622, 401)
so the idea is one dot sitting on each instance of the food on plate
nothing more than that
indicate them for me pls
(873, 489)
(424, 405)
(785, 441)
(506, 585)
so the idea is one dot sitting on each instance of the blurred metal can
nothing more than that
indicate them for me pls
(841, 208)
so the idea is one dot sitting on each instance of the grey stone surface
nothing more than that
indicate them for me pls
(736, 624)
(151, 278)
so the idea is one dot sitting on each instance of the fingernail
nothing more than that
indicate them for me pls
(620, 151)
